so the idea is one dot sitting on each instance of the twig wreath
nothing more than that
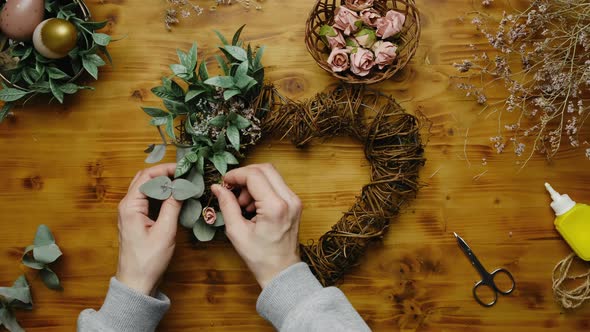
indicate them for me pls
(392, 144)
(239, 107)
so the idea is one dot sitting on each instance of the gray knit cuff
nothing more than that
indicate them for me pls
(125, 309)
(285, 292)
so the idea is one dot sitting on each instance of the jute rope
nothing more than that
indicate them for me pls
(567, 297)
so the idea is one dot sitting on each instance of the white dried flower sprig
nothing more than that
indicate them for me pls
(182, 9)
(541, 58)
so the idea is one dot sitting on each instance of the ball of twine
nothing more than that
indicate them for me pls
(567, 297)
(392, 145)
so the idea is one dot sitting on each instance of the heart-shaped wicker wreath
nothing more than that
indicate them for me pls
(393, 147)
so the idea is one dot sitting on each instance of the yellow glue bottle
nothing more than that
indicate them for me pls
(572, 222)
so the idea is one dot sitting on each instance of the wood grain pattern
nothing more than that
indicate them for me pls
(68, 166)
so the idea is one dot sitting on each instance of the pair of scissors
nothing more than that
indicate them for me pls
(487, 278)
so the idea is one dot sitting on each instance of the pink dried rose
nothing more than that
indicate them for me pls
(366, 37)
(338, 60)
(332, 37)
(346, 20)
(227, 186)
(359, 5)
(391, 24)
(361, 62)
(370, 16)
(385, 53)
(209, 215)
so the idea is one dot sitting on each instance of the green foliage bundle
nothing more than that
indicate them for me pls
(217, 120)
(33, 74)
(40, 254)
(16, 297)
(37, 256)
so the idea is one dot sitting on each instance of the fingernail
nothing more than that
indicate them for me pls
(215, 188)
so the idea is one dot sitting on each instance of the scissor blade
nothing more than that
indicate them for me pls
(471, 256)
(463, 245)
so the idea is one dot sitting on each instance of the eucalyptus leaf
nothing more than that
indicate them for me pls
(101, 39)
(154, 112)
(241, 122)
(222, 64)
(223, 82)
(237, 52)
(10, 94)
(57, 93)
(182, 167)
(159, 188)
(29, 260)
(4, 111)
(203, 232)
(219, 221)
(90, 67)
(196, 178)
(229, 93)
(55, 73)
(50, 279)
(219, 145)
(178, 69)
(170, 126)
(230, 159)
(157, 154)
(181, 152)
(183, 189)
(203, 73)
(20, 291)
(221, 37)
(236, 37)
(233, 134)
(46, 254)
(43, 236)
(218, 121)
(9, 321)
(242, 69)
(192, 94)
(219, 162)
(192, 57)
(190, 213)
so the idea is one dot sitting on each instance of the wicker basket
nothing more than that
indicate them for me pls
(84, 13)
(323, 13)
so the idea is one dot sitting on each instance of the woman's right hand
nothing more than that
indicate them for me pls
(269, 242)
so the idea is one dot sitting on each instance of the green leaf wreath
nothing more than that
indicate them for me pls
(31, 74)
(210, 120)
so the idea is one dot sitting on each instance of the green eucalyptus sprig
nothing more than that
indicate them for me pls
(215, 112)
(40, 254)
(16, 297)
(33, 74)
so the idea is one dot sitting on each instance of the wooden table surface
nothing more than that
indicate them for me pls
(68, 166)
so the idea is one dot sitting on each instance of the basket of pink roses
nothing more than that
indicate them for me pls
(363, 41)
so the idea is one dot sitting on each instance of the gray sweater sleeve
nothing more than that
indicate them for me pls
(125, 310)
(295, 301)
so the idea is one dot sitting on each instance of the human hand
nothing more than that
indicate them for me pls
(146, 246)
(268, 243)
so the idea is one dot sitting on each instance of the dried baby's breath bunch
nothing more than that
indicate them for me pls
(181, 9)
(540, 57)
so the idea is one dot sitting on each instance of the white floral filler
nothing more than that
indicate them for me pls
(211, 121)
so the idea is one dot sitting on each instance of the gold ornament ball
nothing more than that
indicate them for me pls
(55, 38)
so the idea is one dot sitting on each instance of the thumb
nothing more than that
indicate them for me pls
(229, 206)
(168, 218)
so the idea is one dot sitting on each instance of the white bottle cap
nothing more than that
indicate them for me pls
(561, 203)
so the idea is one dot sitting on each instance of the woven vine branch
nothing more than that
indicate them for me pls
(392, 145)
